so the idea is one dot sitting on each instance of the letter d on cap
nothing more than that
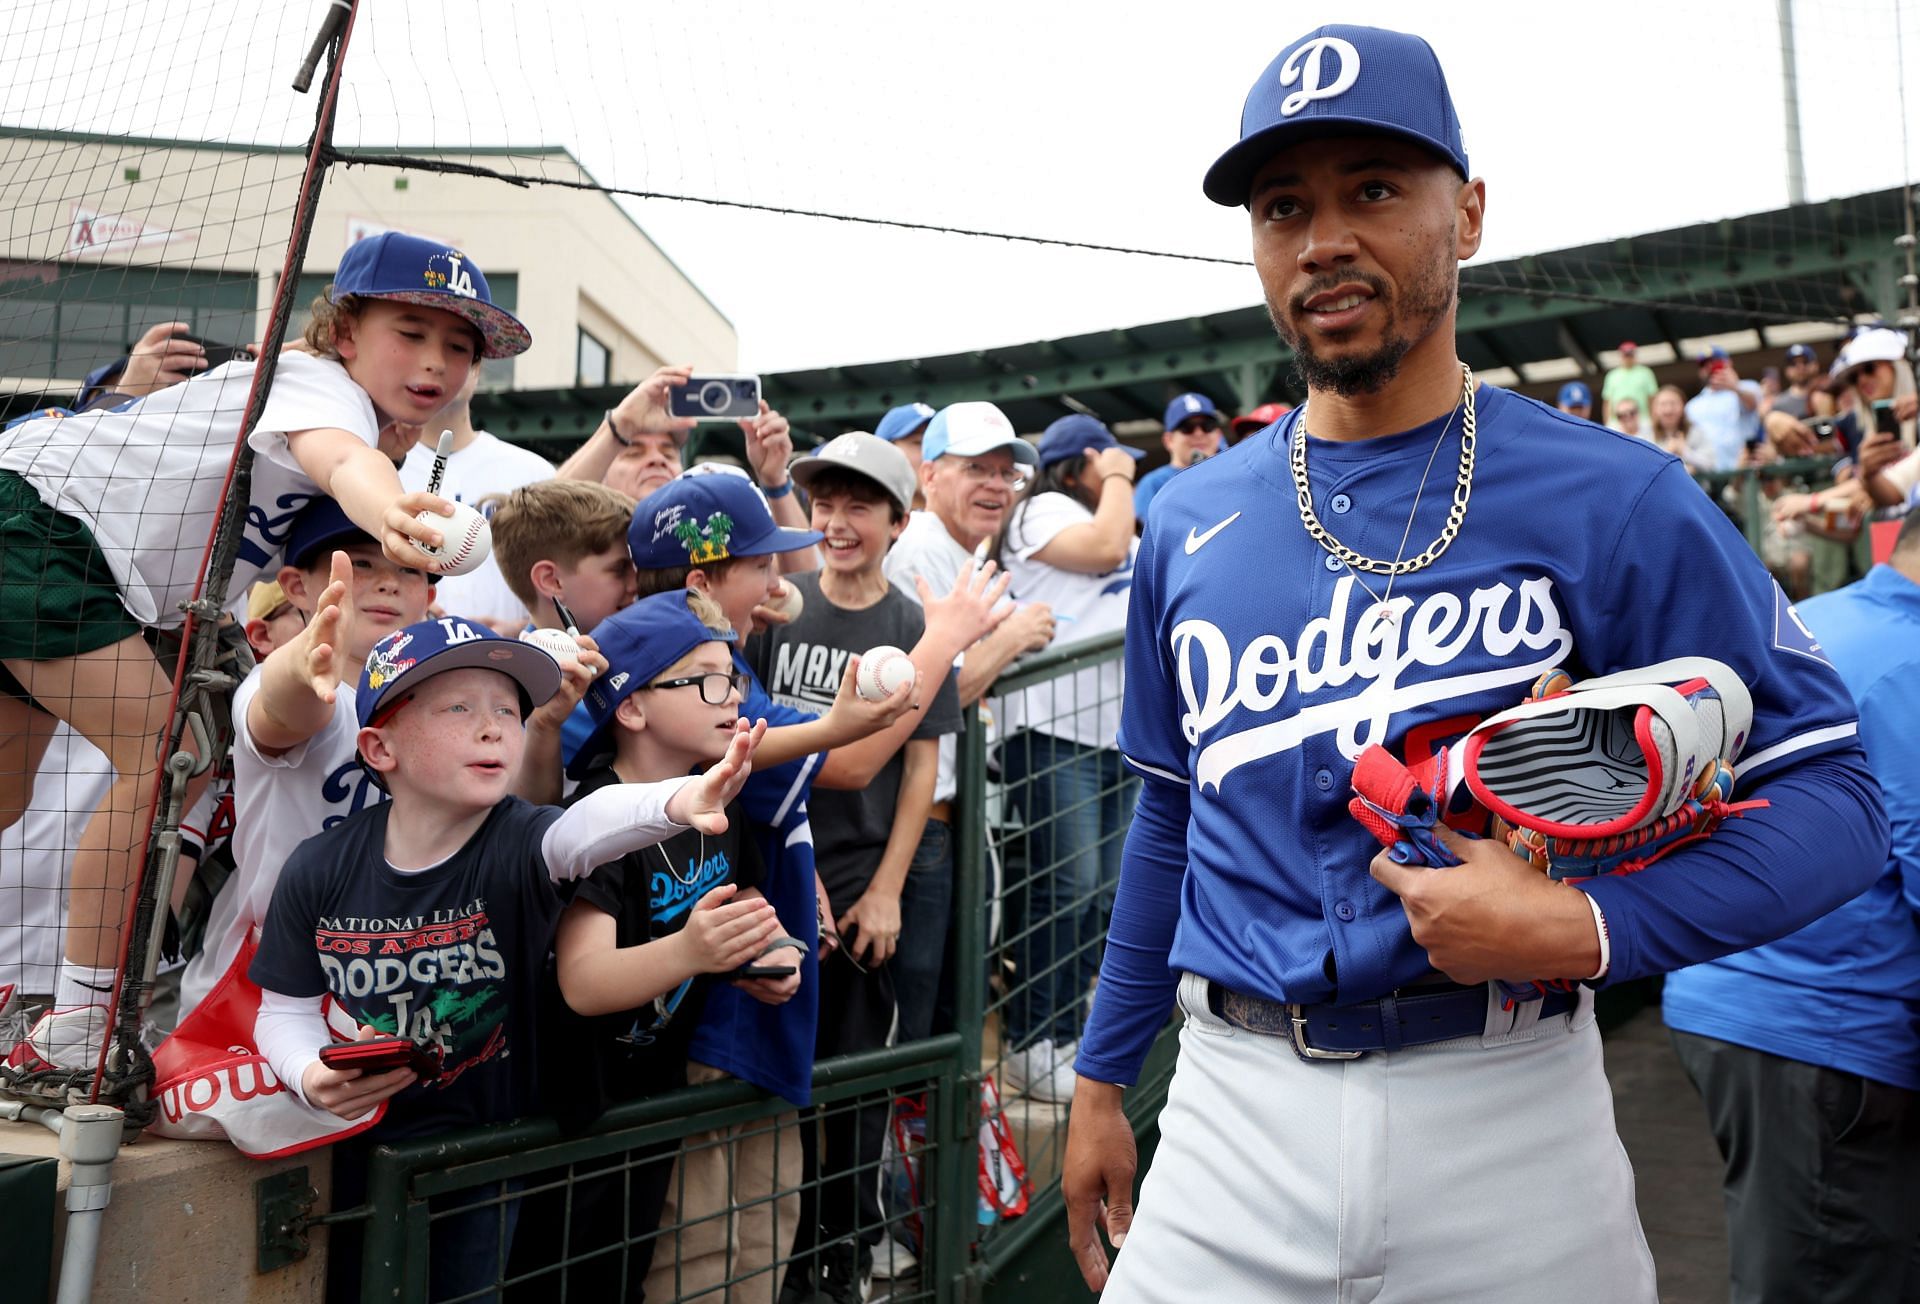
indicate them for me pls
(1307, 60)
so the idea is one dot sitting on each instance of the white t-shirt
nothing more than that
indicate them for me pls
(278, 803)
(147, 478)
(486, 466)
(1083, 707)
(925, 549)
(35, 854)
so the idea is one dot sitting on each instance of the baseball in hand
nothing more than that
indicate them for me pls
(882, 670)
(466, 539)
(788, 603)
(556, 643)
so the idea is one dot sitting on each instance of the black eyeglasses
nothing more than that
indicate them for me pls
(1197, 426)
(730, 681)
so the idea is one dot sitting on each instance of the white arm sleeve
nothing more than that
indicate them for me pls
(289, 1031)
(607, 824)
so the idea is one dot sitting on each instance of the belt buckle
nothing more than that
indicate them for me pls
(1297, 1018)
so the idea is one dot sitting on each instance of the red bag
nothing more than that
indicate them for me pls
(212, 1083)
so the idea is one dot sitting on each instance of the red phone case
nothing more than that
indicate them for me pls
(380, 1055)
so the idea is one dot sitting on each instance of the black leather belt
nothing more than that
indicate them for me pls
(1412, 1016)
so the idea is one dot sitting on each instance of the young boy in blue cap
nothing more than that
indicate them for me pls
(429, 916)
(634, 961)
(104, 518)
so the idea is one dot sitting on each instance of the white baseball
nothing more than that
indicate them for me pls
(467, 539)
(556, 643)
(882, 670)
(789, 603)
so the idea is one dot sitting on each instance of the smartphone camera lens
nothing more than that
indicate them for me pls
(713, 396)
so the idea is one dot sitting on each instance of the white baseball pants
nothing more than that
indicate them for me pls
(1484, 1170)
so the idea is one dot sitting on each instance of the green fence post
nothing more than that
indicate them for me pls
(393, 1264)
(955, 1215)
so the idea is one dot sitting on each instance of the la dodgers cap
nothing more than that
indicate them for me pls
(1876, 344)
(1797, 352)
(639, 641)
(1260, 418)
(864, 455)
(1189, 405)
(1714, 354)
(1340, 80)
(406, 658)
(1074, 434)
(970, 429)
(903, 421)
(1575, 394)
(698, 519)
(407, 269)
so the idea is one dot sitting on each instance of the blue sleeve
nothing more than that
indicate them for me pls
(1143, 493)
(1136, 987)
(1682, 582)
(1890, 733)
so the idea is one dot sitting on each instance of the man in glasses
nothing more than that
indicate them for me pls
(1192, 434)
(1628, 419)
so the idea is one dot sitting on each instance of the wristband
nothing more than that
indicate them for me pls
(1116, 475)
(614, 430)
(1606, 944)
(780, 491)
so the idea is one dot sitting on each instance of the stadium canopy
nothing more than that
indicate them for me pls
(1753, 284)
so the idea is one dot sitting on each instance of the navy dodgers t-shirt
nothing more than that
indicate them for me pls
(448, 956)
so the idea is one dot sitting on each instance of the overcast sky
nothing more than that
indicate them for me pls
(1085, 121)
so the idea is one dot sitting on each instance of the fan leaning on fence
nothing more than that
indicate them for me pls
(104, 519)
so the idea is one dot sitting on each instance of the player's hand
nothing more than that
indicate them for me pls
(771, 991)
(769, 446)
(874, 921)
(968, 612)
(575, 680)
(350, 1093)
(1109, 461)
(1493, 915)
(1097, 1177)
(703, 802)
(1031, 626)
(402, 533)
(159, 358)
(725, 931)
(852, 717)
(646, 410)
(316, 648)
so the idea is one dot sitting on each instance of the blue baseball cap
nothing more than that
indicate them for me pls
(700, 518)
(970, 429)
(323, 523)
(1575, 394)
(407, 269)
(1801, 353)
(1186, 406)
(1339, 80)
(902, 421)
(406, 658)
(1073, 434)
(638, 641)
(1714, 354)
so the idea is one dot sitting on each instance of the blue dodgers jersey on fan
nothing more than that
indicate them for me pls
(1257, 670)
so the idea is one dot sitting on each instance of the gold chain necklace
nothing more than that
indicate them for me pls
(1462, 490)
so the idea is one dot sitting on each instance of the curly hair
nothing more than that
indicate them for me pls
(323, 326)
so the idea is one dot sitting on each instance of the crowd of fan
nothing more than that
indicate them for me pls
(395, 859)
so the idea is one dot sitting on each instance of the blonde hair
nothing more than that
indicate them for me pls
(708, 613)
(560, 521)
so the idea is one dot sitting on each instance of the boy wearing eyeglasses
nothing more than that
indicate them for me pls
(1192, 434)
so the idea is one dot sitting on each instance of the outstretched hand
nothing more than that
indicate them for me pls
(403, 532)
(703, 802)
(853, 717)
(575, 680)
(315, 650)
(971, 610)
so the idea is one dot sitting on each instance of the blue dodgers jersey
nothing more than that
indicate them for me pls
(1258, 667)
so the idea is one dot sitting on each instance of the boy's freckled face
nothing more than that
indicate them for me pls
(858, 531)
(598, 585)
(412, 361)
(459, 737)
(681, 718)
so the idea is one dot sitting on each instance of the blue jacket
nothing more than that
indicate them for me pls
(1843, 992)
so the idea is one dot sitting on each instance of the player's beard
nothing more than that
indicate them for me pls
(1409, 320)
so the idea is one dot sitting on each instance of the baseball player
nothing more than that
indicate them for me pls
(1358, 1112)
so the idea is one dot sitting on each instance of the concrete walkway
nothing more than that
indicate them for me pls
(1676, 1165)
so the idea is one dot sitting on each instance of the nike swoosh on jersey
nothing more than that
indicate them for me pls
(1195, 542)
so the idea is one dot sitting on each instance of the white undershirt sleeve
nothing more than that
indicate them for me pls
(289, 1031)
(607, 824)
